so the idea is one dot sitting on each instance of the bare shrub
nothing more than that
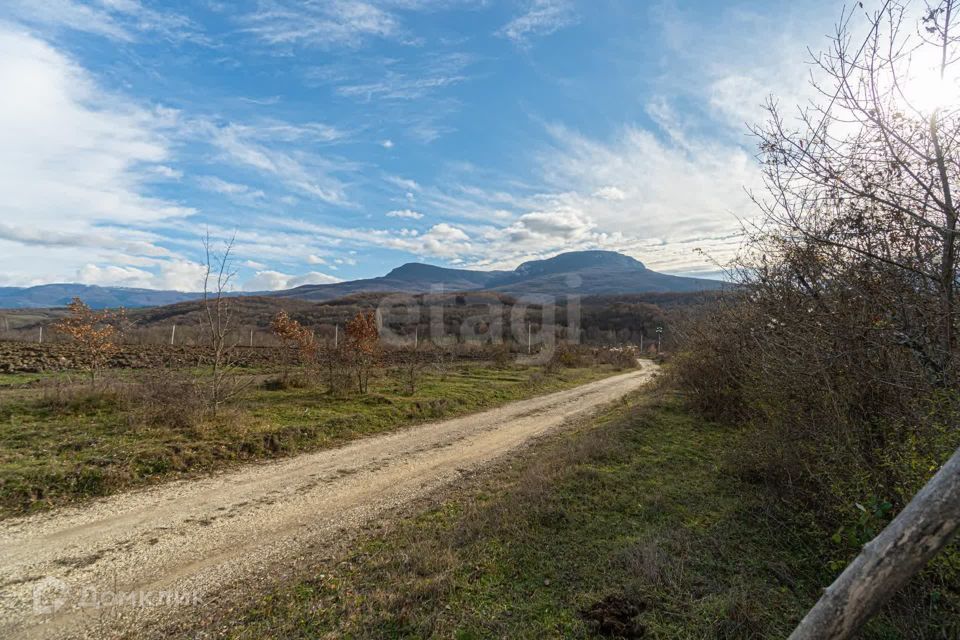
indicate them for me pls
(166, 398)
(619, 358)
(502, 356)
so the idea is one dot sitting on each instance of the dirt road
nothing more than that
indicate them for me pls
(130, 561)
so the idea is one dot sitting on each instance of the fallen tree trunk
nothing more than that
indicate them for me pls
(888, 561)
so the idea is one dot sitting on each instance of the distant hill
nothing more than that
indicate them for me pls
(58, 295)
(584, 273)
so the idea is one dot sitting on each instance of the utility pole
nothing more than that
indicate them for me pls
(529, 339)
(659, 335)
(641, 343)
(251, 338)
(41, 334)
(336, 336)
(173, 334)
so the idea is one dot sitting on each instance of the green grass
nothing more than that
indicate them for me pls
(634, 525)
(56, 449)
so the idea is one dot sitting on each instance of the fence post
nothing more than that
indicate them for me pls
(173, 334)
(887, 562)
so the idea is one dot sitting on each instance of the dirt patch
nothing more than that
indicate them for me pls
(616, 617)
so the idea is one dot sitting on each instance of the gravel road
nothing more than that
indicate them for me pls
(132, 561)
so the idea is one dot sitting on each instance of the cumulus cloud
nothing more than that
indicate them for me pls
(274, 280)
(405, 213)
(441, 240)
(562, 224)
(176, 275)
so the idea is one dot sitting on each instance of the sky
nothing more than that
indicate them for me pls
(338, 139)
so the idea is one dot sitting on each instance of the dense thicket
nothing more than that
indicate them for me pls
(838, 355)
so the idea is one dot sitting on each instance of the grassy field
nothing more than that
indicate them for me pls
(633, 525)
(59, 443)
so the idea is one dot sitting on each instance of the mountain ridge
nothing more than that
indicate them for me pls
(576, 272)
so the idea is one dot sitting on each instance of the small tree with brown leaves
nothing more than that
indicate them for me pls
(363, 346)
(95, 332)
(298, 342)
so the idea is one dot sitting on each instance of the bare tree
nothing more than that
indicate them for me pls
(412, 361)
(217, 321)
(867, 178)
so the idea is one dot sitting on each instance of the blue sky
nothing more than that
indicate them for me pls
(341, 138)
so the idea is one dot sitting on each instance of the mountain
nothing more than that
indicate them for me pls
(59, 295)
(594, 273)
(412, 277)
(578, 272)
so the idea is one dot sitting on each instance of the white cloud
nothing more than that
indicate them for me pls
(176, 275)
(322, 24)
(233, 189)
(78, 162)
(654, 194)
(275, 280)
(387, 144)
(541, 18)
(306, 172)
(563, 224)
(442, 240)
(314, 259)
(405, 213)
(70, 150)
(401, 80)
(337, 23)
(610, 193)
(404, 183)
(725, 73)
(166, 172)
(115, 19)
(113, 275)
